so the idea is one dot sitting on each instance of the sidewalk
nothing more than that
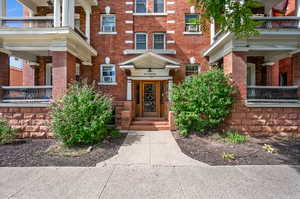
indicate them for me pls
(143, 182)
(151, 148)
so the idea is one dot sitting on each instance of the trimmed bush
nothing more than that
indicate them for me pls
(201, 102)
(7, 134)
(81, 116)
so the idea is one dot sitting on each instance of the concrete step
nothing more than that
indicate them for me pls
(146, 122)
(149, 127)
(149, 119)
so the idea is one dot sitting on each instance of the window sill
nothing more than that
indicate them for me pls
(151, 14)
(273, 105)
(192, 33)
(108, 84)
(107, 33)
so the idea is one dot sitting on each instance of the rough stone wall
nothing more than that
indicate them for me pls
(30, 122)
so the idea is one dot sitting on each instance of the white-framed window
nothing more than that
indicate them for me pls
(108, 23)
(107, 74)
(192, 23)
(159, 41)
(159, 6)
(191, 69)
(140, 6)
(141, 41)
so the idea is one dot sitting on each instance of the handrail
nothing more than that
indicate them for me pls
(26, 18)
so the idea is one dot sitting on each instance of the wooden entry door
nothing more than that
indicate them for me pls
(150, 94)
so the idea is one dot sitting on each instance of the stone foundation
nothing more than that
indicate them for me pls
(264, 121)
(31, 122)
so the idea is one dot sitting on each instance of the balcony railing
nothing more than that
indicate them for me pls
(286, 22)
(26, 22)
(26, 94)
(272, 93)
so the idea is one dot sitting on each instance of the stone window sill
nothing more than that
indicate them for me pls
(107, 33)
(192, 33)
(107, 84)
(273, 105)
(150, 14)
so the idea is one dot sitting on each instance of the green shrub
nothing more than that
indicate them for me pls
(201, 102)
(80, 117)
(7, 134)
(235, 137)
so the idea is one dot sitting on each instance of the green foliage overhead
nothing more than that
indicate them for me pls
(201, 102)
(7, 134)
(81, 116)
(230, 15)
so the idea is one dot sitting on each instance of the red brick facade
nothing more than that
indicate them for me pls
(16, 76)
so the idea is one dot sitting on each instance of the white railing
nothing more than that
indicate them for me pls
(29, 22)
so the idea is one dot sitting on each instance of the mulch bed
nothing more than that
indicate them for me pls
(209, 150)
(32, 153)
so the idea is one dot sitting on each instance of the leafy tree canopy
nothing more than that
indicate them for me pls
(230, 15)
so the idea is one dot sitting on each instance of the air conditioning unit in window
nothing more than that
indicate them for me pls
(192, 28)
(108, 29)
(108, 79)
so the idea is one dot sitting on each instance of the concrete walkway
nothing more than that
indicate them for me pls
(144, 182)
(151, 148)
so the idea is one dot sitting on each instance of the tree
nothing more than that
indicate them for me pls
(230, 15)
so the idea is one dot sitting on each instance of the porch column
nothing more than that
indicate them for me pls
(57, 13)
(4, 71)
(170, 86)
(235, 63)
(275, 74)
(88, 25)
(64, 72)
(2, 8)
(129, 90)
(29, 74)
(212, 31)
(68, 13)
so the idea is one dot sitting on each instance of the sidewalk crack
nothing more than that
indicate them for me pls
(109, 177)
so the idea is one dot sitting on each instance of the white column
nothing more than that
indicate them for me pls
(57, 13)
(170, 86)
(2, 8)
(72, 13)
(68, 9)
(212, 31)
(88, 25)
(129, 90)
(298, 11)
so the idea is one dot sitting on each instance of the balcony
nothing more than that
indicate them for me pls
(26, 95)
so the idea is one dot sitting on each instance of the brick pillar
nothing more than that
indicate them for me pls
(275, 74)
(64, 72)
(28, 74)
(235, 63)
(4, 71)
(296, 70)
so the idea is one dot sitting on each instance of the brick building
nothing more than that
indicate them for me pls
(135, 50)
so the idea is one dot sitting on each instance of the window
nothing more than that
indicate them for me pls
(159, 6)
(77, 21)
(191, 69)
(192, 23)
(77, 72)
(140, 6)
(159, 40)
(108, 23)
(107, 73)
(140, 41)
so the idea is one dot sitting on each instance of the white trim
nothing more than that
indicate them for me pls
(171, 11)
(134, 51)
(141, 33)
(170, 42)
(150, 78)
(128, 31)
(192, 33)
(159, 33)
(171, 21)
(128, 22)
(128, 42)
(150, 14)
(128, 11)
(170, 3)
(48, 74)
(129, 2)
(171, 32)
(252, 68)
(107, 33)
(149, 54)
(108, 84)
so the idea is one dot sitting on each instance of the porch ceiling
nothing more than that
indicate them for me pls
(150, 60)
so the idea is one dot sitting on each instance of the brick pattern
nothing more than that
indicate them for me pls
(264, 121)
(30, 122)
(16, 76)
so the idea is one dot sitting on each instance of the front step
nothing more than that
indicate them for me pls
(149, 119)
(147, 124)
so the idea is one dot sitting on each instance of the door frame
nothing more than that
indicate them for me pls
(157, 112)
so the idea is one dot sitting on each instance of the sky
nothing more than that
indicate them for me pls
(14, 9)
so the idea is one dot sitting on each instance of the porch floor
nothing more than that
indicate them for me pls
(151, 148)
